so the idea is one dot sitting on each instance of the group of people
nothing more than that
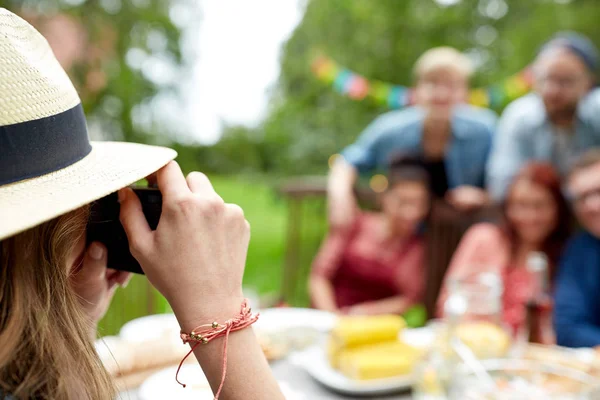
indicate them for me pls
(540, 162)
(55, 286)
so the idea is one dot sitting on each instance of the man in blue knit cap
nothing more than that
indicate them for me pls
(555, 123)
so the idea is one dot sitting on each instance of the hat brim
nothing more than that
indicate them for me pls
(109, 167)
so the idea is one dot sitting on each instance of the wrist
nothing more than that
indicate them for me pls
(203, 309)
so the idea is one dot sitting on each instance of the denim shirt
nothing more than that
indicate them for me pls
(525, 133)
(577, 293)
(401, 132)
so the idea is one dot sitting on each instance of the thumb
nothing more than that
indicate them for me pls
(133, 219)
(94, 265)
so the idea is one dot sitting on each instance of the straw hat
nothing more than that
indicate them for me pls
(48, 166)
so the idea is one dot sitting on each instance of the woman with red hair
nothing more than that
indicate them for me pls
(536, 219)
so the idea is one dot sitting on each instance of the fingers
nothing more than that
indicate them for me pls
(171, 181)
(94, 264)
(235, 215)
(133, 220)
(120, 278)
(199, 183)
(234, 212)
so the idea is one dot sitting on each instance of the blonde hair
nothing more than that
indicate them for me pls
(443, 57)
(47, 350)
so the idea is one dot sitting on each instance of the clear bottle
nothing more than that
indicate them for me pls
(539, 307)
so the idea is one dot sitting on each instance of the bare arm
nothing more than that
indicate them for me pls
(341, 201)
(244, 354)
(390, 305)
(196, 259)
(321, 293)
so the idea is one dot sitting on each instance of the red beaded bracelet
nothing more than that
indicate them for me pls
(204, 334)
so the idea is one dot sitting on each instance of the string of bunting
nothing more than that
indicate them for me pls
(357, 87)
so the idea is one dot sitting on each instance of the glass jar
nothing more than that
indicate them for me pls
(431, 375)
(473, 313)
(476, 297)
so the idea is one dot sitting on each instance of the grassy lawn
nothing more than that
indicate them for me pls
(267, 213)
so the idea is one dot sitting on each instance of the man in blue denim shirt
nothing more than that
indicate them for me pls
(557, 122)
(452, 138)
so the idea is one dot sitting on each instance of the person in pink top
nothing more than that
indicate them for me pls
(536, 219)
(377, 266)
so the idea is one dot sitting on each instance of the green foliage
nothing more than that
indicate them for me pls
(264, 267)
(111, 88)
(309, 121)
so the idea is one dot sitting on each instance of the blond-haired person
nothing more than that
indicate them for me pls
(54, 288)
(452, 138)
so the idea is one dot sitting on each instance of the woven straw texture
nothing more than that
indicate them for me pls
(32, 86)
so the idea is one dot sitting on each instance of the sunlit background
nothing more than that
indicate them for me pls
(230, 85)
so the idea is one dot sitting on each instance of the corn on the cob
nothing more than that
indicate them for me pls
(378, 361)
(357, 331)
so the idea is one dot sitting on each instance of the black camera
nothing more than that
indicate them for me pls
(104, 226)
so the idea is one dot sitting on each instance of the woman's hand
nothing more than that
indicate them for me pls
(94, 283)
(197, 254)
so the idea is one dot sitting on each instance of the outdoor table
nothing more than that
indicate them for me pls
(288, 370)
(301, 383)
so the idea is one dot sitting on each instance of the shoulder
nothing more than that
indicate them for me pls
(590, 104)
(473, 122)
(475, 115)
(582, 243)
(528, 110)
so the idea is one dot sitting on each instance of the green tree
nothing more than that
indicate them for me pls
(112, 48)
(381, 40)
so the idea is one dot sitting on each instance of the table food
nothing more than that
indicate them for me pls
(364, 348)
(561, 356)
(485, 339)
(273, 347)
(523, 380)
(378, 361)
(121, 357)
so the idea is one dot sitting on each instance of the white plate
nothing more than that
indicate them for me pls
(314, 361)
(150, 328)
(274, 319)
(157, 326)
(162, 385)
(418, 337)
